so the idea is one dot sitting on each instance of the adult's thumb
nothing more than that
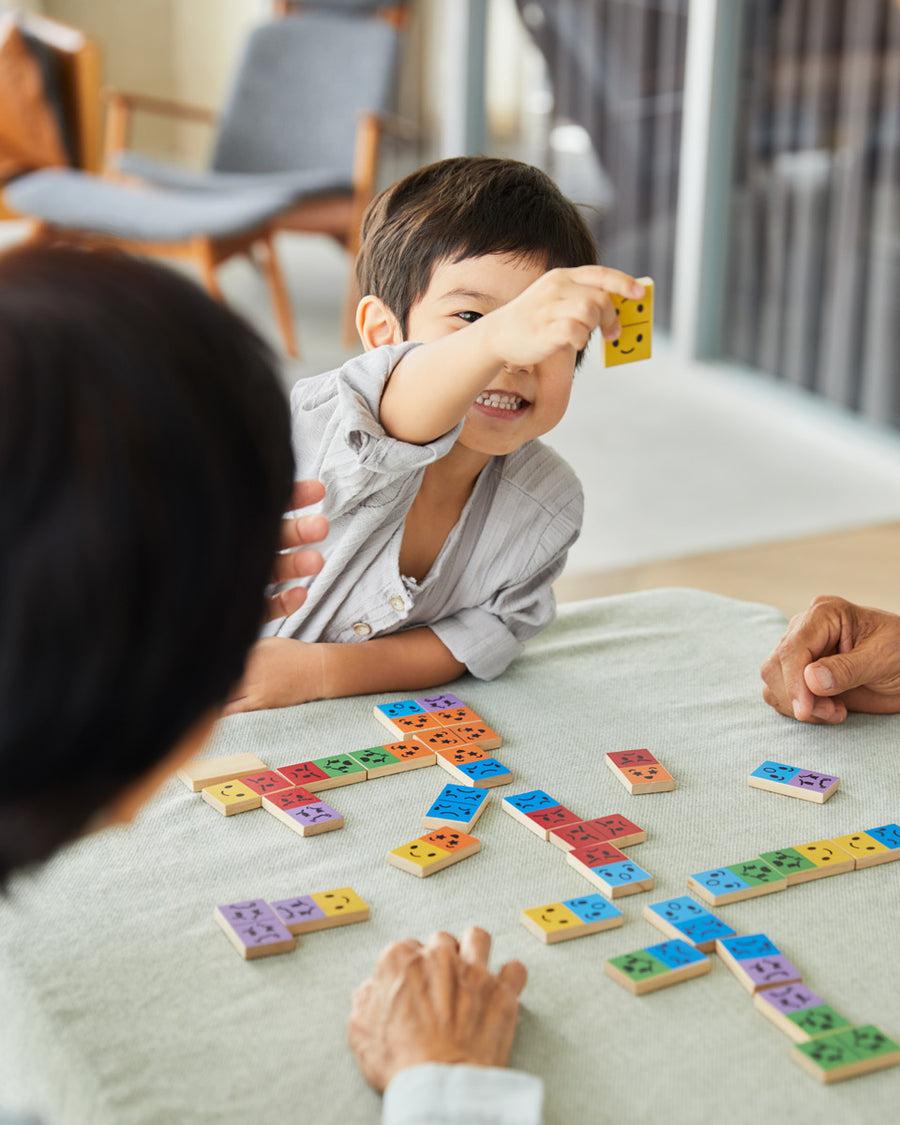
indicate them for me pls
(833, 675)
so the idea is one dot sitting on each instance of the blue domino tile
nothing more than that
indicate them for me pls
(677, 910)
(483, 768)
(531, 801)
(591, 908)
(746, 947)
(720, 881)
(618, 874)
(458, 802)
(675, 953)
(707, 929)
(401, 707)
(887, 834)
(775, 771)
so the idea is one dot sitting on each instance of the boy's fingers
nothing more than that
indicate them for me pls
(609, 280)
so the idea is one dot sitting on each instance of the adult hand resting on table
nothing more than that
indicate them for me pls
(834, 658)
(290, 563)
(435, 1003)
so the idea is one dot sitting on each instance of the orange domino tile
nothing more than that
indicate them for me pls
(441, 739)
(456, 716)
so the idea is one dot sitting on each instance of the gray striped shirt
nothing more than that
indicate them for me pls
(490, 586)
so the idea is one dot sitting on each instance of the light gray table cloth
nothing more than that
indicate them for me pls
(122, 1002)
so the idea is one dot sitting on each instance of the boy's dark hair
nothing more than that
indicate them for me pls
(460, 208)
(145, 464)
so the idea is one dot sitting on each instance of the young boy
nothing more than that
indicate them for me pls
(449, 520)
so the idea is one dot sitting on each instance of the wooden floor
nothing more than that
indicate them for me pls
(862, 564)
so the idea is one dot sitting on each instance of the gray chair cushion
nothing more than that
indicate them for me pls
(301, 185)
(301, 86)
(85, 203)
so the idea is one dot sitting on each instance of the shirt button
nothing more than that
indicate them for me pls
(397, 603)
(362, 629)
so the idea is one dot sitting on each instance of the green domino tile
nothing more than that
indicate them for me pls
(787, 860)
(338, 765)
(866, 1042)
(820, 1020)
(639, 965)
(828, 1053)
(755, 872)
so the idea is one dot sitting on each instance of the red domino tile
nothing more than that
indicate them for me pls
(615, 826)
(623, 758)
(291, 798)
(597, 855)
(448, 839)
(439, 739)
(269, 782)
(455, 716)
(553, 817)
(303, 772)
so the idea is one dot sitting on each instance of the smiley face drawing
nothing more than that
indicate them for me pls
(636, 322)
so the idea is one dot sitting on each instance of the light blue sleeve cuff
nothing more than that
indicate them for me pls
(435, 1094)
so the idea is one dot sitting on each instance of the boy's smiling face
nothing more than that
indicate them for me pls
(520, 403)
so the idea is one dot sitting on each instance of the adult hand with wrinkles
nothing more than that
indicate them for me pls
(435, 1003)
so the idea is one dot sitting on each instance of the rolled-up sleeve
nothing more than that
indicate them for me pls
(434, 1094)
(488, 637)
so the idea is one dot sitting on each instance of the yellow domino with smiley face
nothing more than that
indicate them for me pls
(546, 921)
(636, 324)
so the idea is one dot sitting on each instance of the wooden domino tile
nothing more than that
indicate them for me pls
(288, 799)
(308, 818)
(657, 966)
(200, 774)
(640, 771)
(306, 774)
(792, 865)
(756, 962)
(486, 773)
(538, 811)
(325, 910)
(457, 806)
(617, 829)
(478, 734)
(325, 773)
(847, 1054)
(799, 1012)
(827, 857)
(411, 753)
(382, 761)
(736, 881)
(793, 781)
(574, 918)
(687, 920)
(433, 852)
(269, 781)
(615, 876)
(635, 339)
(459, 754)
(865, 849)
(254, 929)
(441, 739)
(408, 726)
(439, 702)
(230, 797)
(456, 716)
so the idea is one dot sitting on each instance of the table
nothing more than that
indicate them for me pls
(124, 1003)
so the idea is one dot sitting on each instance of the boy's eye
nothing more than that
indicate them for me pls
(469, 317)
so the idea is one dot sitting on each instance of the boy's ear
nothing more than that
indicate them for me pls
(376, 324)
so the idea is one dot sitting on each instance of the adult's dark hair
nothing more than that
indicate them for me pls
(459, 208)
(144, 466)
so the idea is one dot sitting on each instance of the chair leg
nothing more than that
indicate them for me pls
(206, 261)
(279, 295)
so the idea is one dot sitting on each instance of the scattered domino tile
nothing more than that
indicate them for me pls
(288, 799)
(429, 854)
(636, 328)
(486, 773)
(828, 858)
(439, 702)
(254, 929)
(798, 1012)
(889, 835)
(687, 920)
(793, 781)
(322, 911)
(199, 775)
(640, 771)
(615, 828)
(615, 878)
(736, 882)
(538, 811)
(756, 962)
(230, 797)
(457, 806)
(847, 1054)
(310, 818)
(657, 966)
(576, 917)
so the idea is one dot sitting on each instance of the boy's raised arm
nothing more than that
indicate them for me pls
(434, 385)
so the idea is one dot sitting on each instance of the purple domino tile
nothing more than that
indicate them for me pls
(439, 702)
(318, 813)
(299, 911)
(255, 923)
(791, 998)
(767, 971)
(806, 779)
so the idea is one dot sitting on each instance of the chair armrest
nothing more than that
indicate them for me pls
(400, 127)
(119, 107)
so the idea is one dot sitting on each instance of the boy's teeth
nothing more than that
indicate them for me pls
(503, 402)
